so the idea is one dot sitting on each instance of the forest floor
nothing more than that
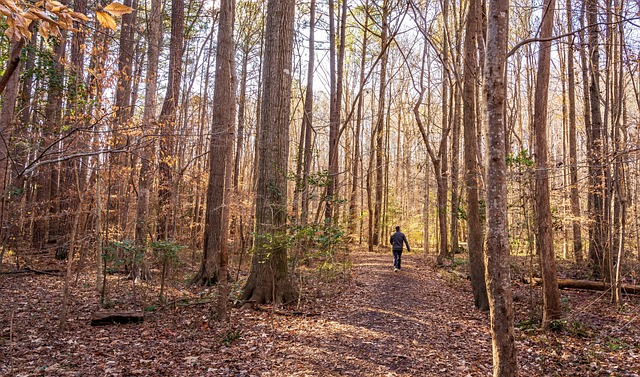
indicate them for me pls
(365, 321)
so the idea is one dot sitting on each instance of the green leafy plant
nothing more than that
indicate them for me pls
(615, 344)
(579, 329)
(528, 326)
(557, 325)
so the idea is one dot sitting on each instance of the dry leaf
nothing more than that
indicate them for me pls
(118, 9)
(79, 16)
(106, 20)
(41, 15)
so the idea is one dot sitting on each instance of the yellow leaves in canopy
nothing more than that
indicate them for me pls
(106, 20)
(115, 9)
(118, 9)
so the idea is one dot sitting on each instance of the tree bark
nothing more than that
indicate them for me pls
(443, 169)
(379, 127)
(268, 280)
(598, 248)
(7, 115)
(337, 73)
(353, 201)
(472, 166)
(154, 36)
(167, 120)
(550, 295)
(573, 145)
(215, 255)
(45, 226)
(497, 256)
(307, 119)
(242, 103)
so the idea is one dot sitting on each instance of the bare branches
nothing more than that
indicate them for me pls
(515, 48)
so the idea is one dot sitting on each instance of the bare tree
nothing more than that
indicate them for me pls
(498, 275)
(154, 35)
(550, 294)
(472, 165)
(165, 226)
(379, 128)
(268, 280)
(220, 155)
(598, 249)
(573, 148)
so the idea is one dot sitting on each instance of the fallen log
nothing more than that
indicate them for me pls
(587, 285)
(29, 270)
(110, 318)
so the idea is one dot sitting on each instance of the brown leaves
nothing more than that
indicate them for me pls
(411, 323)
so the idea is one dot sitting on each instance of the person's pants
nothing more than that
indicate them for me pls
(397, 258)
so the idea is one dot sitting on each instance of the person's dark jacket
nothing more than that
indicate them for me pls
(397, 239)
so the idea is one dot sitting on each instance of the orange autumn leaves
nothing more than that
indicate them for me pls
(53, 16)
(105, 18)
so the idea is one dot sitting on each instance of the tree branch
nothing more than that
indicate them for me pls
(534, 40)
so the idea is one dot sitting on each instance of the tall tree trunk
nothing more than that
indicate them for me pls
(498, 274)
(125, 66)
(586, 101)
(215, 255)
(167, 121)
(379, 127)
(268, 280)
(619, 143)
(123, 107)
(95, 79)
(45, 227)
(154, 37)
(573, 147)
(307, 119)
(7, 120)
(242, 104)
(550, 293)
(334, 117)
(355, 182)
(443, 171)
(221, 150)
(472, 166)
(27, 82)
(598, 249)
(455, 171)
(337, 73)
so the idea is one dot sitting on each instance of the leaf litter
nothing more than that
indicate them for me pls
(416, 322)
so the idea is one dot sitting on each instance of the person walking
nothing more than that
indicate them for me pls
(397, 240)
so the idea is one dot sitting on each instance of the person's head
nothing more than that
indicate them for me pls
(397, 229)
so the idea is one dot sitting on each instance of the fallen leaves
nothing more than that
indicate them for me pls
(411, 323)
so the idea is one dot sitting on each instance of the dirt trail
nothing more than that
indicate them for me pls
(405, 323)
(385, 323)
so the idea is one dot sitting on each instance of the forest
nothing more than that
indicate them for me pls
(198, 187)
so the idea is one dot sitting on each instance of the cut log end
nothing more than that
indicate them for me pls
(111, 318)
